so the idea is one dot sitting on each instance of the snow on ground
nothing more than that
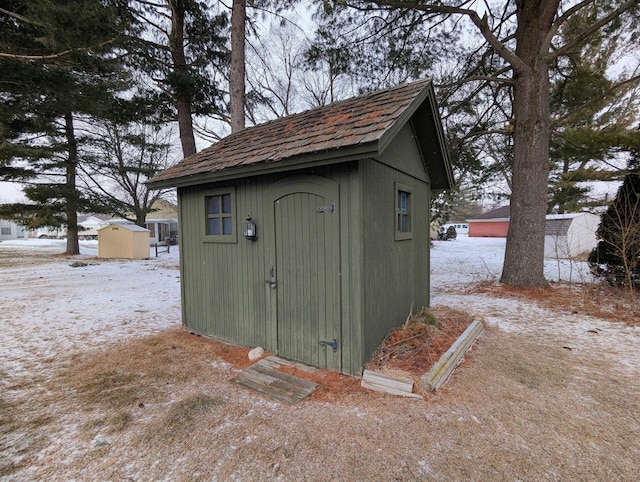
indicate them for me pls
(117, 299)
(54, 314)
(50, 311)
(459, 263)
(466, 260)
(57, 310)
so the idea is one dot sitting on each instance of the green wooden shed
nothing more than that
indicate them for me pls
(339, 197)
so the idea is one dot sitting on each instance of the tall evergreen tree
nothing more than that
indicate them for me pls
(60, 69)
(616, 258)
(593, 115)
(182, 50)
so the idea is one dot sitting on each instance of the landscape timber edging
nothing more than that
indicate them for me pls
(383, 382)
(440, 371)
(437, 374)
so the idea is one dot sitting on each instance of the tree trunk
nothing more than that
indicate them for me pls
(71, 193)
(183, 84)
(524, 255)
(237, 69)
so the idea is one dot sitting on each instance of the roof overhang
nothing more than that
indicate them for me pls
(421, 113)
(490, 220)
(425, 119)
(320, 158)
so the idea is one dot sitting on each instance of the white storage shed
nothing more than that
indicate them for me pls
(570, 235)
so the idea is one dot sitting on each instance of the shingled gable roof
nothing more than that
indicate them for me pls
(358, 127)
(501, 213)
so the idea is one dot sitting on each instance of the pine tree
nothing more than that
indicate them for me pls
(616, 258)
(517, 45)
(182, 50)
(592, 115)
(58, 70)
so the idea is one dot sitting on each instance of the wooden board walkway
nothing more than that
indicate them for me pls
(265, 377)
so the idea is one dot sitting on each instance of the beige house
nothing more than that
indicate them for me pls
(127, 241)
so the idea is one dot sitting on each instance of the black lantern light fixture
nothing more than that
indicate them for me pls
(249, 229)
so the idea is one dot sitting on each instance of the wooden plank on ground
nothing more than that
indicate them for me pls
(382, 382)
(265, 377)
(441, 370)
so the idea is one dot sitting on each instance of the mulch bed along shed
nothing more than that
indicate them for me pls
(421, 341)
(406, 352)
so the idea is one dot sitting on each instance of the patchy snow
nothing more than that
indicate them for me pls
(459, 263)
(51, 311)
(57, 310)
(466, 260)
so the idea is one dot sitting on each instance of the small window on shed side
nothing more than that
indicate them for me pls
(219, 207)
(403, 213)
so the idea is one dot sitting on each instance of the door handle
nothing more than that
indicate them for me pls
(272, 284)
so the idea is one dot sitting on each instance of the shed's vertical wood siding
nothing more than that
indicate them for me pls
(223, 283)
(224, 294)
(396, 272)
(224, 291)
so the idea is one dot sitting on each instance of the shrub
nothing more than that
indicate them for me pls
(616, 258)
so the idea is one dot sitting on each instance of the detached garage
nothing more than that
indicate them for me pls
(492, 224)
(127, 241)
(309, 235)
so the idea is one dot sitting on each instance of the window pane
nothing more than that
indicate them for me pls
(404, 225)
(214, 227)
(213, 206)
(403, 201)
(227, 226)
(226, 203)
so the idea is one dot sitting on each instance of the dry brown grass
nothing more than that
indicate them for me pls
(11, 257)
(162, 407)
(181, 419)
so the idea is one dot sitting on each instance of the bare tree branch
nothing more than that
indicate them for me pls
(482, 24)
(56, 55)
(21, 17)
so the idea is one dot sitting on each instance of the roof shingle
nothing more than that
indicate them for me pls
(357, 121)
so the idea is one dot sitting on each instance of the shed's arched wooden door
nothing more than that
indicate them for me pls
(307, 272)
